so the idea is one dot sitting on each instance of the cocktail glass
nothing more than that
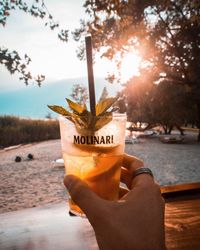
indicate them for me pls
(94, 156)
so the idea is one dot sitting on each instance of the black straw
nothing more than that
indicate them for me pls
(88, 42)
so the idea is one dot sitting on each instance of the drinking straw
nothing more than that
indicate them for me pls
(88, 42)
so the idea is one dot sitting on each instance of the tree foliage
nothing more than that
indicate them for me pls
(79, 94)
(166, 34)
(158, 104)
(11, 58)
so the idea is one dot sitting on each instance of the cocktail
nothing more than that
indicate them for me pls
(93, 141)
(95, 157)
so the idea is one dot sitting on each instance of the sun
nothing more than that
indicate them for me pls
(130, 66)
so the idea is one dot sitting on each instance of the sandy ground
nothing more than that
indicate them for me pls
(36, 182)
(31, 183)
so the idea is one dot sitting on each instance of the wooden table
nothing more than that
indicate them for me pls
(182, 216)
(51, 228)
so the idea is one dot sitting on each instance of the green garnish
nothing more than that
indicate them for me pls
(82, 118)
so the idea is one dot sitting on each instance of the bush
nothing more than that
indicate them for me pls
(14, 130)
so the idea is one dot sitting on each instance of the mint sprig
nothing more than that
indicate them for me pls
(82, 118)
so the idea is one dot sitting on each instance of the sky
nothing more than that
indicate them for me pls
(55, 59)
(51, 57)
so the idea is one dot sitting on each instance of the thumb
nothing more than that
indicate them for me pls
(83, 196)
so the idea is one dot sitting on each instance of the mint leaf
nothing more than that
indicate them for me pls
(83, 119)
(77, 108)
(104, 105)
(103, 120)
(59, 110)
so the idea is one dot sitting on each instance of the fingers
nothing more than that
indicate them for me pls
(130, 164)
(82, 195)
(126, 177)
(122, 192)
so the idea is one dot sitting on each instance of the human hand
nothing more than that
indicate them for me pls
(136, 221)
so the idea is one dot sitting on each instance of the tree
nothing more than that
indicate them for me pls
(11, 58)
(169, 106)
(166, 33)
(79, 94)
(157, 104)
(138, 94)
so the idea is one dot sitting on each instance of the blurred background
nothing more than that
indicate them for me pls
(146, 52)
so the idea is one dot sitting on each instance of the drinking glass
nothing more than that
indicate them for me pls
(94, 156)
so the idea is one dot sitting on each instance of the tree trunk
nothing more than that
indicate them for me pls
(170, 129)
(165, 129)
(180, 130)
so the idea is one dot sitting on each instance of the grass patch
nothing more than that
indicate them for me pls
(15, 130)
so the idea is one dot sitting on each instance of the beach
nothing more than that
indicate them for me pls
(36, 182)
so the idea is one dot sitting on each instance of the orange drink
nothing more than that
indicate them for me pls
(94, 156)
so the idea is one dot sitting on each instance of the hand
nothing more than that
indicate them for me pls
(136, 221)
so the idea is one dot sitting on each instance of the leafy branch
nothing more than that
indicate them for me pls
(11, 59)
(15, 64)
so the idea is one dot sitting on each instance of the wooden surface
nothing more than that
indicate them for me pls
(182, 223)
(51, 227)
(182, 216)
(180, 189)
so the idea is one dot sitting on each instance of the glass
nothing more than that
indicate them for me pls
(95, 157)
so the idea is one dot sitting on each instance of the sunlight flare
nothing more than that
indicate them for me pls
(130, 66)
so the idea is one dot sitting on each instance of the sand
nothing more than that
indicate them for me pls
(31, 183)
(36, 182)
